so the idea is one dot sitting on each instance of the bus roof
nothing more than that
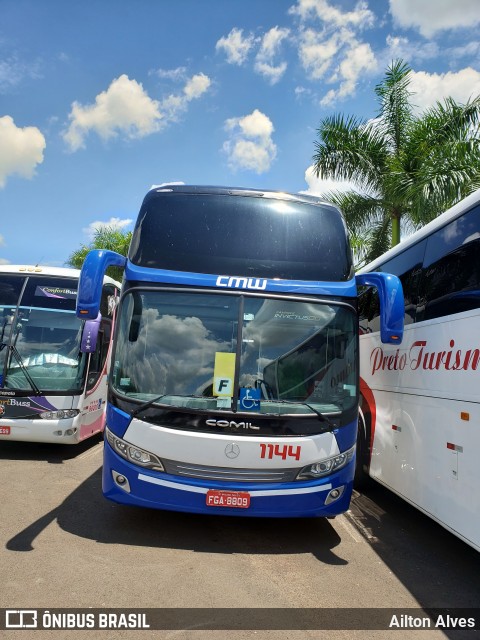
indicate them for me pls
(238, 191)
(454, 212)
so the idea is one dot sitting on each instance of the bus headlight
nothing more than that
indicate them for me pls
(132, 453)
(326, 466)
(59, 415)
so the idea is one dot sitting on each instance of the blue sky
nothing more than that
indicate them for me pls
(100, 99)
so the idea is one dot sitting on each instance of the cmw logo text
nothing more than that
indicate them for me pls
(241, 283)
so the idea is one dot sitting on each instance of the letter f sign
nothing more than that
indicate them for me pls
(223, 386)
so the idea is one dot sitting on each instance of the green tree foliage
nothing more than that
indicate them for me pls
(407, 169)
(105, 237)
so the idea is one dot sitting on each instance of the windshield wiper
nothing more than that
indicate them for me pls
(149, 403)
(19, 360)
(321, 416)
(145, 405)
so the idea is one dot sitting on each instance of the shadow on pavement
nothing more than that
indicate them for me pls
(437, 568)
(51, 453)
(86, 513)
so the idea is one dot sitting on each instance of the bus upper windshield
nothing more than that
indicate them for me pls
(224, 352)
(40, 334)
(251, 236)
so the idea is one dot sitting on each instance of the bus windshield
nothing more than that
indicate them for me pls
(250, 236)
(227, 352)
(40, 335)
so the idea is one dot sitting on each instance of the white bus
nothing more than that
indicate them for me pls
(53, 366)
(420, 402)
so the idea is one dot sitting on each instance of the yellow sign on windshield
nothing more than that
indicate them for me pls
(223, 374)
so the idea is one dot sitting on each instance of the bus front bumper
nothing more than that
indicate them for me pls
(46, 431)
(129, 484)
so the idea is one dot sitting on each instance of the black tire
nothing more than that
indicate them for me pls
(361, 479)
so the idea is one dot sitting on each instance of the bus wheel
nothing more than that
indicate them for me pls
(361, 480)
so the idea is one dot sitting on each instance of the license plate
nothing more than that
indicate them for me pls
(231, 499)
(4, 431)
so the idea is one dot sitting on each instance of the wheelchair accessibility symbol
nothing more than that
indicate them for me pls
(249, 399)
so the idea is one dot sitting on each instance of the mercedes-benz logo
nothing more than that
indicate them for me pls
(232, 450)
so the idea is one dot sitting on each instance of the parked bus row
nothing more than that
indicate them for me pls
(243, 356)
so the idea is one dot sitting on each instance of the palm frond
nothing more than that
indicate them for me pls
(359, 210)
(105, 237)
(395, 112)
(412, 167)
(349, 149)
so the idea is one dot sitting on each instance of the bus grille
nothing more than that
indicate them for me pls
(226, 474)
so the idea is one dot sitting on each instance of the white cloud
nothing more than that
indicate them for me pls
(273, 73)
(2, 244)
(302, 91)
(431, 18)
(21, 150)
(360, 17)
(272, 41)
(270, 47)
(255, 125)
(335, 48)
(428, 88)
(115, 223)
(470, 49)
(358, 61)
(166, 184)
(13, 71)
(170, 74)
(317, 53)
(173, 106)
(124, 107)
(250, 146)
(196, 86)
(127, 109)
(401, 48)
(235, 46)
(320, 186)
(340, 54)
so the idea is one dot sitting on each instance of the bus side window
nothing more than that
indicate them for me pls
(452, 268)
(369, 310)
(408, 267)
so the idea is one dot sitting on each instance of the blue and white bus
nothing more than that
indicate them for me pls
(51, 388)
(234, 382)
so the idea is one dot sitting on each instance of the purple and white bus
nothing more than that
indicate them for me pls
(51, 389)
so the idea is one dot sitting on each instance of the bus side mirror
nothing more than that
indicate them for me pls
(392, 306)
(90, 335)
(91, 281)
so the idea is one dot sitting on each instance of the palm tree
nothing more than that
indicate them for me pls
(408, 168)
(105, 237)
